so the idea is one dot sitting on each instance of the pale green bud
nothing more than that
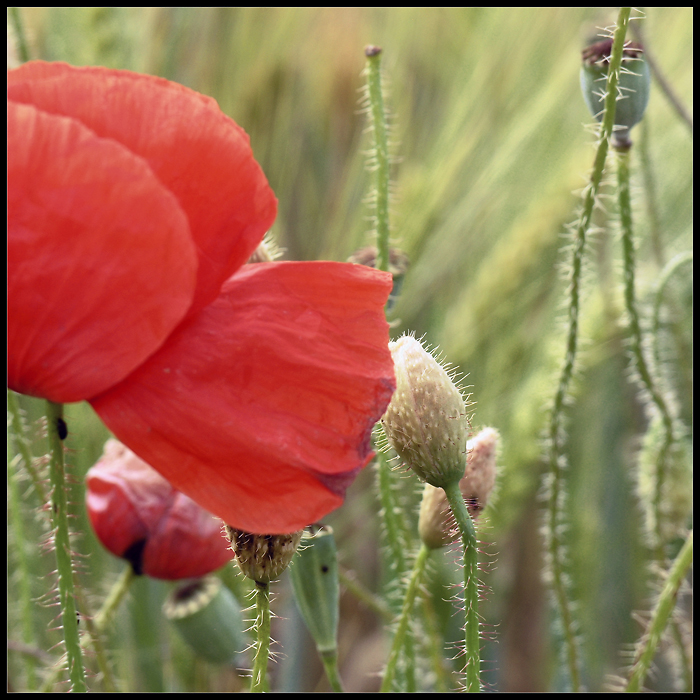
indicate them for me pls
(426, 422)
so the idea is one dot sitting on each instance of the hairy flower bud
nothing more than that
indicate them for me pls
(263, 558)
(435, 524)
(426, 422)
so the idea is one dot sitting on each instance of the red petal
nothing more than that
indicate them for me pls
(261, 408)
(188, 543)
(131, 506)
(101, 265)
(125, 498)
(202, 156)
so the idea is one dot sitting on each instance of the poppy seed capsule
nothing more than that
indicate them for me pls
(426, 422)
(633, 87)
(263, 558)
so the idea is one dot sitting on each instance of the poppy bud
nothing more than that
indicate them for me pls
(139, 516)
(426, 422)
(633, 86)
(435, 525)
(263, 558)
(208, 618)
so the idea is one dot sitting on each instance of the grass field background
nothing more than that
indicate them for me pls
(490, 138)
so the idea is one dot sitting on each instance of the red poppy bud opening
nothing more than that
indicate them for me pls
(139, 516)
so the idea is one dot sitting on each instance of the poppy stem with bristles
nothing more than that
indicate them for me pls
(380, 150)
(64, 564)
(465, 524)
(262, 644)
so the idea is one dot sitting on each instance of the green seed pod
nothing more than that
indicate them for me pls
(207, 616)
(426, 422)
(263, 558)
(314, 575)
(633, 87)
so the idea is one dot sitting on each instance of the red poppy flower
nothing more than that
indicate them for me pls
(133, 204)
(139, 516)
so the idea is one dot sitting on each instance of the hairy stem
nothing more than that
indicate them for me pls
(471, 586)
(405, 619)
(635, 332)
(660, 616)
(381, 154)
(262, 645)
(555, 433)
(64, 564)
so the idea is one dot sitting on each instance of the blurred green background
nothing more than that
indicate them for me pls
(490, 138)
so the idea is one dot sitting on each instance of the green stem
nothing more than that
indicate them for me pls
(380, 165)
(381, 154)
(262, 646)
(64, 564)
(665, 276)
(659, 619)
(405, 619)
(363, 595)
(18, 433)
(635, 332)
(471, 586)
(19, 543)
(394, 527)
(330, 664)
(555, 544)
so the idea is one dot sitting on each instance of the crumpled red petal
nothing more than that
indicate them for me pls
(198, 153)
(261, 408)
(101, 265)
(137, 514)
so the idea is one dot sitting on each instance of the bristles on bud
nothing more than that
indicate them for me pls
(426, 422)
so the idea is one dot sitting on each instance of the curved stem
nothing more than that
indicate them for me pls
(662, 611)
(635, 331)
(471, 586)
(330, 664)
(262, 645)
(405, 619)
(555, 544)
(64, 564)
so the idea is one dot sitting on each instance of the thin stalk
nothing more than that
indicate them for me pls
(635, 332)
(665, 276)
(330, 665)
(262, 645)
(20, 544)
(381, 169)
(405, 619)
(397, 543)
(659, 619)
(471, 586)
(64, 563)
(555, 432)
(381, 154)
(363, 595)
(18, 434)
